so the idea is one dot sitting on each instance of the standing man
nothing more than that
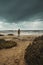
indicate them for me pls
(18, 32)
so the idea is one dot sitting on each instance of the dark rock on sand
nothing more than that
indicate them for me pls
(7, 44)
(1, 35)
(10, 34)
(34, 52)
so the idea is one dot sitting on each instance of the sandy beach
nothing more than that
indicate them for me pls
(15, 55)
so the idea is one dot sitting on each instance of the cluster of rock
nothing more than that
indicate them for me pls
(7, 44)
(34, 52)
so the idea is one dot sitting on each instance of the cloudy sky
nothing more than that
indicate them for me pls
(23, 14)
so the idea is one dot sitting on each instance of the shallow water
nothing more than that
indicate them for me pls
(23, 32)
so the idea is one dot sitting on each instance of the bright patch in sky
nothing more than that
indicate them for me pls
(35, 25)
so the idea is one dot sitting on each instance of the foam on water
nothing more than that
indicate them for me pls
(23, 32)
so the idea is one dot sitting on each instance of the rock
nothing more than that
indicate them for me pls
(34, 52)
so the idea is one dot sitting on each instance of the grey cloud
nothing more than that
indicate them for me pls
(21, 10)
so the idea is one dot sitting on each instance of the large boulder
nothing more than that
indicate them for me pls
(34, 52)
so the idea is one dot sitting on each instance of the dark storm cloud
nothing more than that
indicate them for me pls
(21, 10)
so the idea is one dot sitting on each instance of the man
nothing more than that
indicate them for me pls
(18, 32)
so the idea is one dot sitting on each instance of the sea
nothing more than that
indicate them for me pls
(22, 32)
